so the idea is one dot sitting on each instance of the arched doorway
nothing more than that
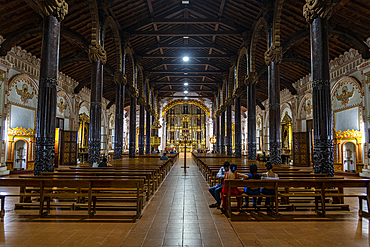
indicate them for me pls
(20, 155)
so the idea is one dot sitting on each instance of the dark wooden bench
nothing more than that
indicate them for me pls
(321, 186)
(92, 189)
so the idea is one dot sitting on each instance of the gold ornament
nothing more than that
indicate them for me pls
(251, 78)
(345, 96)
(314, 8)
(349, 134)
(308, 107)
(96, 53)
(61, 106)
(58, 8)
(25, 95)
(20, 131)
(274, 54)
(120, 78)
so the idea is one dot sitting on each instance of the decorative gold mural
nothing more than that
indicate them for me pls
(345, 96)
(349, 134)
(61, 106)
(20, 131)
(181, 102)
(308, 107)
(25, 95)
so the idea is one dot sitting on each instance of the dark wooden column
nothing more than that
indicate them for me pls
(251, 95)
(273, 58)
(148, 149)
(218, 139)
(120, 80)
(229, 131)
(214, 133)
(98, 57)
(132, 138)
(323, 156)
(238, 129)
(252, 150)
(141, 130)
(47, 98)
(222, 135)
(118, 125)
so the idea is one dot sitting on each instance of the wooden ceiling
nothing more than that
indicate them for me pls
(208, 31)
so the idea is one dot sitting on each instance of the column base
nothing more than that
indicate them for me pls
(275, 153)
(44, 155)
(252, 151)
(323, 157)
(117, 152)
(94, 152)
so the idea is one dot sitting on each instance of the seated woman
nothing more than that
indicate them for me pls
(231, 174)
(253, 191)
(268, 175)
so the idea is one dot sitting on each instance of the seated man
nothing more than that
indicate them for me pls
(103, 163)
(164, 157)
(216, 190)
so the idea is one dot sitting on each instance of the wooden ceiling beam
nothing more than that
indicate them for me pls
(190, 91)
(185, 72)
(185, 33)
(181, 56)
(182, 83)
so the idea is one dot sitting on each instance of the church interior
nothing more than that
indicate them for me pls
(117, 118)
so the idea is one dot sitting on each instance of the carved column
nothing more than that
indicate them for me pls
(132, 138)
(214, 133)
(222, 135)
(273, 58)
(118, 125)
(141, 130)
(251, 91)
(238, 129)
(98, 57)
(148, 132)
(53, 13)
(317, 13)
(229, 131)
(218, 139)
(120, 80)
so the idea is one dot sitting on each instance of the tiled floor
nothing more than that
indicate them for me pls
(178, 215)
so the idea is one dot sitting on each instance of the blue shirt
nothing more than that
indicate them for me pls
(250, 176)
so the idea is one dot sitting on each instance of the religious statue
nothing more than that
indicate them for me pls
(308, 107)
(61, 106)
(25, 95)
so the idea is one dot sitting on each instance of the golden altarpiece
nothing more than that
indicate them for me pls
(83, 135)
(186, 120)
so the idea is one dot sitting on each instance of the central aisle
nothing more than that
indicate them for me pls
(178, 214)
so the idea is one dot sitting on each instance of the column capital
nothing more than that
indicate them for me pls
(314, 8)
(132, 91)
(273, 54)
(96, 53)
(251, 78)
(57, 8)
(120, 78)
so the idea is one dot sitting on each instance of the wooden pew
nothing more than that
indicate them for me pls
(321, 185)
(91, 188)
(150, 180)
